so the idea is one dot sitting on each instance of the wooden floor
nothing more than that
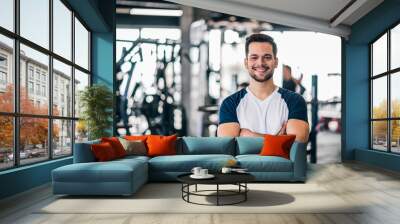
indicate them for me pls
(378, 188)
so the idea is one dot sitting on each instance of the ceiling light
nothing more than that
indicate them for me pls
(156, 12)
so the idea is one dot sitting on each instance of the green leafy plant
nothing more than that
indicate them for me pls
(96, 103)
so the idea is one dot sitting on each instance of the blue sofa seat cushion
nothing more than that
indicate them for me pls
(257, 163)
(184, 163)
(111, 171)
(249, 145)
(207, 145)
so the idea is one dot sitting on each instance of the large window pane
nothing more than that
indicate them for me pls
(379, 135)
(395, 94)
(81, 131)
(6, 74)
(395, 47)
(62, 138)
(379, 97)
(33, 139)
(395, 136)
(62, 29)
(81, 45)
(7, 14)
(81, 81)
(6, 142)
(34, 97)
(62, 89)
(35, 21)
(379, 55)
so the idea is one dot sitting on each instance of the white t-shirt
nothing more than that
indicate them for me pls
(263, 116)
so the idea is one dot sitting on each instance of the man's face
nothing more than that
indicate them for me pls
(260, 61)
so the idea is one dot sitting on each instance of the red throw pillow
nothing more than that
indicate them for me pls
(116, 145)
(103, 151)
(159, 145)
(277, 145)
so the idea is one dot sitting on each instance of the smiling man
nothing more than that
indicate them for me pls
(262, 107)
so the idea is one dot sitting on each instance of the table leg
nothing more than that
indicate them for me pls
(217, 194)
(245, 191)
(196, 188)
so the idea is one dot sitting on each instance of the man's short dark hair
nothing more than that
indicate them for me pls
(259, 37)
(287, 67)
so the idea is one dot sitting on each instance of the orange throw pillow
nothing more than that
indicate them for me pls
(159, 145)
(103, 152)
(116, 145)
(277, 145)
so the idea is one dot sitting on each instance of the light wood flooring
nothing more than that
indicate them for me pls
(378, 188)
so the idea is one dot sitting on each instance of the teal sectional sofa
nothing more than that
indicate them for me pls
(125, 176)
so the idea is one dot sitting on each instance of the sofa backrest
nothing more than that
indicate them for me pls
(249, 145)
(207, 145)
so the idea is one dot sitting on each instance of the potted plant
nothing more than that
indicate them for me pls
(96, 103)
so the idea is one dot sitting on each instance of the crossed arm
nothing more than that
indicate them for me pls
(297, 127)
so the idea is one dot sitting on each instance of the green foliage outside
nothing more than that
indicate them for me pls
(96, 102)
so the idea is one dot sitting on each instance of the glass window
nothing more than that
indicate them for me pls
(37, 89)
(34, 21)
(34, 142)
(62, 72)
(62, 29)
(395, 136)
(81, 45)
(379, 98)
(395, 47)
(395, 95)
(30, 87)
(62, 138)
(6, 142)
(7, 14)
(43, 90)
(6, 74)
(379, 135)
(81, 131)
(34, 80)
(81, 81)
(379, 56)
(40, 62)
(30, 72)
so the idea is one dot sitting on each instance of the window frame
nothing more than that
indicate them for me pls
(388, 74)
(16, 114)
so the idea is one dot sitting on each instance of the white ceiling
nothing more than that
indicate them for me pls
(313, 15)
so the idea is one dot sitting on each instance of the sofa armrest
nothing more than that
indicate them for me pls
(298, 156)
(83, 152)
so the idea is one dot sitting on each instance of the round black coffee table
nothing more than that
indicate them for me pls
(238, 179)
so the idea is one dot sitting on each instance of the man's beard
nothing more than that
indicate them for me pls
(267, 76)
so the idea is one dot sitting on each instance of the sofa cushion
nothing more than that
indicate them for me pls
(103, 152)
(159, 145)
(208, 145)
(185, 163)
(249, 145)
(112, 171)
(134, 147)
(116, 145)
(257, 163)
(277, 145)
